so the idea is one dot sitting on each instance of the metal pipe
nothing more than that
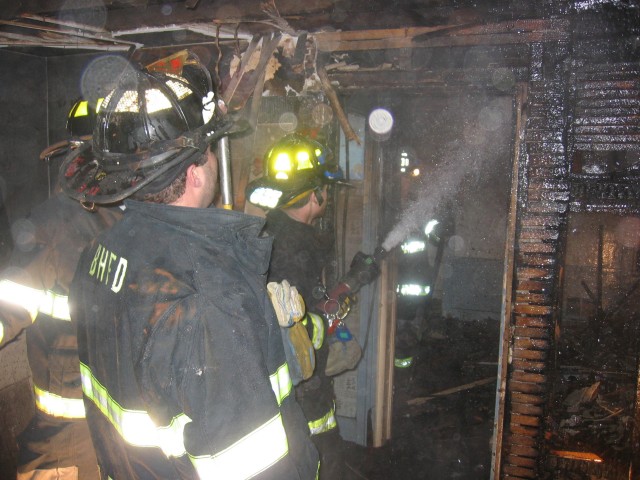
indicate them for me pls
(224, 162)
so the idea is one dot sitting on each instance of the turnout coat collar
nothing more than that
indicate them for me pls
(239, 230)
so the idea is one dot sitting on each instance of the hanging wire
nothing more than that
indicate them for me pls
(218, 60)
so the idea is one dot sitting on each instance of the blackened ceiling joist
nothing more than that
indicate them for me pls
(148, 21)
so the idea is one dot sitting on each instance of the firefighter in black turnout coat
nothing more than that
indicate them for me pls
(182, 362)
(34, 289)
(296, 168)
(33, 296)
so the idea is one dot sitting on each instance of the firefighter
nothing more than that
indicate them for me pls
(33, 296)
(294, 190)
(183, 368)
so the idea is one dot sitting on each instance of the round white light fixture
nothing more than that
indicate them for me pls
(381, 121)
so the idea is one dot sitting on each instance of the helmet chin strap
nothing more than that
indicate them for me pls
(89, 206)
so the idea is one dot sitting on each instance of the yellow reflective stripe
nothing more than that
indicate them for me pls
(58, 406)
(1, 331)
(34, 300)
(318, 330)
(324, 424)
(403, 362)
(281, 383)
(249, 456)
(135, 426)
(82, 110)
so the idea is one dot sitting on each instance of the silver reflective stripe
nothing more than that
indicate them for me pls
(249, 456)
(135, 426)
(58, 406)
(281, 383)
(55, 305)
(34, 300)
(324, 424)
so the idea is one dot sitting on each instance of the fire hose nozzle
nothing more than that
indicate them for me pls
(379, 254)
(364, 270)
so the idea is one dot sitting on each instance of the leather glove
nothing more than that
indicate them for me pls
(299, 351)
(287, 303)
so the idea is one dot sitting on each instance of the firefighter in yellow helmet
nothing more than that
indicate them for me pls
(294, 190)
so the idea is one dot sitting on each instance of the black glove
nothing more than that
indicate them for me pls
(363, 270)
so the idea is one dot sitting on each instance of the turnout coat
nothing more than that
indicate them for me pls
(33, 296)
(183, 368)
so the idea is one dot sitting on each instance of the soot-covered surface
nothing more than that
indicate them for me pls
(449, 435)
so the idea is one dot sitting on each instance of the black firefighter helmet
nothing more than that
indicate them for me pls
(149, 129)
(293, 166)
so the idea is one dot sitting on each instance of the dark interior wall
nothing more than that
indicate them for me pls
(23, 131)
(36, 96)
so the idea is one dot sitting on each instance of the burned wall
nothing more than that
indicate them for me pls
(582, 102)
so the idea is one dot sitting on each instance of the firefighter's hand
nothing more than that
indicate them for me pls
(365, 267)
(287, 302)
(363, 270)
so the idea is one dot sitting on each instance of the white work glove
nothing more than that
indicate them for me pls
(287, 303)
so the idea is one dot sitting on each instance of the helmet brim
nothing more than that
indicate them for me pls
(289, 190)
(83, 175)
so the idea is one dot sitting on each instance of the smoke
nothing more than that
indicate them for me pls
(473, 156)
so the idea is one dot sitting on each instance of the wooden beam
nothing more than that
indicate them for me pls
(63, 23)
(449, 391)
(508, 292)
(71, 34)
(383, 411)
(385, 79)
(349, 132)
(522, 31)
(344, 82)
(8, 39)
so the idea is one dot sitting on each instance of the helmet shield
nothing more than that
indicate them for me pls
(81, 119)
(149, 129)
(293, 166)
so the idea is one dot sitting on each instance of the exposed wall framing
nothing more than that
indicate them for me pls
(541, 213)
